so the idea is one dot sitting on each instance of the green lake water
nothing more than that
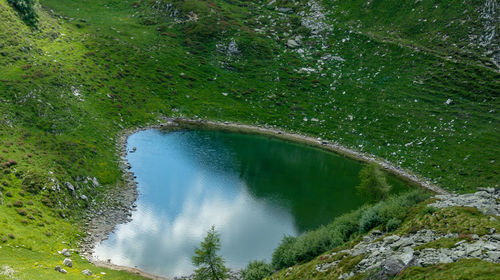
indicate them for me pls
(255, 189)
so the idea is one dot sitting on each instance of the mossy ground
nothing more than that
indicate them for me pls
(94, 68)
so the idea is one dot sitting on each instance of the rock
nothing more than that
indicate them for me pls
(70, 186)
(65, 252)
(68, 262)
(87, 272)
(494, 255)
(292, 43)
(84, 197)
(391, 239)
(392, 267)
(60, 269)
(285, 10)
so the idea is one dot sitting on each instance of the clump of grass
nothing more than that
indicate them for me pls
(463, 269)
(21, 212)
(18, 203)
(439, 243)
(462, 220)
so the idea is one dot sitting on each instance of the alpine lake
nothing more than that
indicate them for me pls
(255, 189)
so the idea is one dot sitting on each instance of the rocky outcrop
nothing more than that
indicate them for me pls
(386, 256)
(487, 200)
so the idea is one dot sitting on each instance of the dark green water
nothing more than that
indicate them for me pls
(255, 189)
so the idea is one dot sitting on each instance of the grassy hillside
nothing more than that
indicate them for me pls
(378, 78)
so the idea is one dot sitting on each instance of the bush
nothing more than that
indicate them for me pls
(369, 220)
(392, 224)
(388, 213)
(429, 210)
(27, 10)
(257, 270)
(283, 255)
(33, 182)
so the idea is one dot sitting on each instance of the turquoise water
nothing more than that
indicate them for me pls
(255, 189)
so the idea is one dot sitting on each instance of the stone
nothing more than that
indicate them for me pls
(285, 10)
(70, 186)
(292, 43)
(392, 267)
(65, 252)
(494, 255)
(391, 239)
(60, 269)
(68, 262)
(87, 272)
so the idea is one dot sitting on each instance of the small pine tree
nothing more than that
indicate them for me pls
(209, 264)
(373, 186)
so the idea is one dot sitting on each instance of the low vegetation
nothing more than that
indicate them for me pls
(295, 250)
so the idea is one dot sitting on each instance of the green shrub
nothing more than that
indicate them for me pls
(33, 182)
(429, 210)
(283, 255)
(314, 243)
(388, 213)
(392, 224)
(369, 220)
(27, 9)
(257, 270)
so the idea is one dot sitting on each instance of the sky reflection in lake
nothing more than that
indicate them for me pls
(181, 197)
(255, 189)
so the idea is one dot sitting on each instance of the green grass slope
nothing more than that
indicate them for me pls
(373, 78)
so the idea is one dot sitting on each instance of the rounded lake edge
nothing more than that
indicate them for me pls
(101, 226)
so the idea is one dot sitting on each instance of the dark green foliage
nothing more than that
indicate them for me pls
(283, 255)
(369, 220)
(429, 210)
(257, 270)
(209, 264)
(33, 182)
(392, 224)
(388, 213)
(27, 9)
(373, 186)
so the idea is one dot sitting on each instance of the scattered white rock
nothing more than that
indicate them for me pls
(292, 43)
(68, 262)
(60, 269)
(65, 252)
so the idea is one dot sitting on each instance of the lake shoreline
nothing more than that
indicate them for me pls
(101, 226)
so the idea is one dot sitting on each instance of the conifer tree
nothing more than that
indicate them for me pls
(209, 264)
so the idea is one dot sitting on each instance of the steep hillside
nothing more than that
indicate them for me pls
(413, 82)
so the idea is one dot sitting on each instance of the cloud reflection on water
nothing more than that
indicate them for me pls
(163, 244)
